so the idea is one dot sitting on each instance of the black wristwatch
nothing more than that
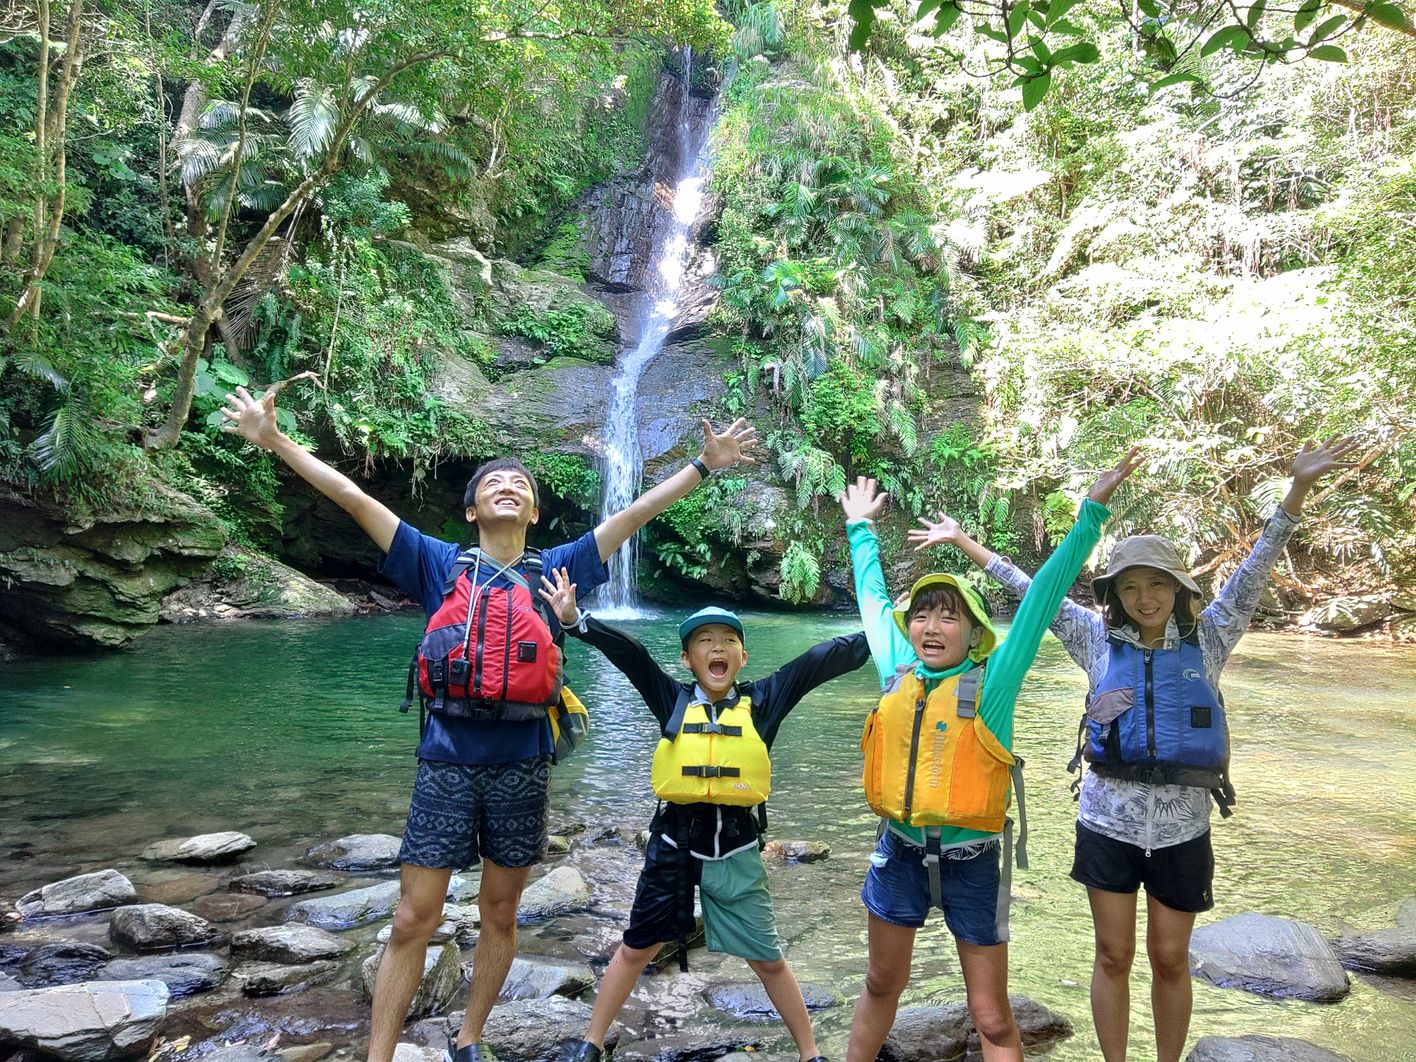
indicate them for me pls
(703, 470)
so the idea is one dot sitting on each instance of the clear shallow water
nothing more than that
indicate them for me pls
(290, 732)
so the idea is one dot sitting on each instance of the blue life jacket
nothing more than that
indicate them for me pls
(1172, 729)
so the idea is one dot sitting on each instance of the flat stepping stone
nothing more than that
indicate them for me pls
(60, 962)
(80, 1023)
(1259, 1049)
(748, 1001)
(1382, 951)
(924, 1034)
(357, 907)
(227, 907)
(261, 979)
(275, 883)
(98, 891)
(205, 848)
(1268, 956)
(560, 892)
(292, 943)
(184, 975)
(357, 852)
(167, 885)
(156, 927)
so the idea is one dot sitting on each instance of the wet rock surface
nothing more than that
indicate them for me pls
(226, 907)
(797, 851)
(84, 892)
(85, 1022)
(184, 975)
(748, 1001)
(1390, 951)
(60, 962)
(945, 1030)
(277, 883)
(561, 891)
(1269, 956)
(205, 848)
(292, 943)
(156, 926)
(526, 1030)
(276, 978)
(344, 910)
(441, 984)
(1259, 1049)
(538, 978)
(357, 852)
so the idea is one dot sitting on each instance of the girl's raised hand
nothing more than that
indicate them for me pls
(942, 532)
(1108, 481)
(860, 501)
(1313, 462)
(561, 596)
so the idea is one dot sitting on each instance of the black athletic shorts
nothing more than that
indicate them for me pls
(461, 813)
(1180, 876)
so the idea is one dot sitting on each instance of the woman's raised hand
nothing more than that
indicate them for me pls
(860, 501)
(1106, 484)
(561, 596)
(1313, 462)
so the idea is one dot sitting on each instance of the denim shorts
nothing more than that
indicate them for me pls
(463, 812)
(975, 907)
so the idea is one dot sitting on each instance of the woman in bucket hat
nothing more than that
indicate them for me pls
(939, 767)
(1157, 740)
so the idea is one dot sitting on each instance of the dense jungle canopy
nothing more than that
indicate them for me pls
(972, 249)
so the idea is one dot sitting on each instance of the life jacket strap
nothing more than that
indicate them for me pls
(932, 855)
(711, 728)
(711, 771)
(1016, 772)
(967, 692)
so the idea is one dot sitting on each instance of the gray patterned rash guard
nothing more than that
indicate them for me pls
(1139, 813)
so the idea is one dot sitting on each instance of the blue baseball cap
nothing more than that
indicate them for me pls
(705, 616)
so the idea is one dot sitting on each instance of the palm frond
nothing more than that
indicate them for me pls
(72, 444)
(313, 117)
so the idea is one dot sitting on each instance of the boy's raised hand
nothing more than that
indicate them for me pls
(941, 532)
(561, 596)
(860, 501)
(720, 451)
(1108, 481)
(1313, 462)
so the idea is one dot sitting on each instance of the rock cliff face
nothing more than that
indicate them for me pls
(96, 582)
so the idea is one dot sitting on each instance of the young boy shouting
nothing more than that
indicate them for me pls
(711, 769)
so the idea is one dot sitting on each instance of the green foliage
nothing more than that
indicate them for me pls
(573, 332)
(570, 477)
(801, 573)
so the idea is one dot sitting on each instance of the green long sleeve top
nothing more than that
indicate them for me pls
(1007, 665)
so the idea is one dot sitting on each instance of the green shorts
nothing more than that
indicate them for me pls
(737, 908)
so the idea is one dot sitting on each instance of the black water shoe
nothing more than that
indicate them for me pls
(584, 1051)
(470, 1053)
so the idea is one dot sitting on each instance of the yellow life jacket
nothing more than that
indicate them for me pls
(712, 755)
(930, 761)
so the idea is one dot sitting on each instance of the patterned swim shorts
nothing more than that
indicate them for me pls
(461, 813)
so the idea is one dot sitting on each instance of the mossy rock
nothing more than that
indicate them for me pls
(244, 585)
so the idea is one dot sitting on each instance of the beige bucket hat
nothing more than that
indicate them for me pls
(1143, 551)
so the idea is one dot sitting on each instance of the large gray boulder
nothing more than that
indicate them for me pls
(360, 907)
(1269, 956)
(528, 1030)
(156, 927)
(1259, 1049)
(946, 1030)
(204, 848)
(98, 891)
(184, 975)
(85, 1022)
(560, 892)
(357, 852)
(439, 988)
(543, 978)
(275, 883)
(748, 1000)
(244, 584)
(291, 943)
(1382, 951)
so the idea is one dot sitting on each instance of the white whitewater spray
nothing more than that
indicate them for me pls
(658, 306)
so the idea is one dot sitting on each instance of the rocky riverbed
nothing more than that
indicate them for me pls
(198, 950)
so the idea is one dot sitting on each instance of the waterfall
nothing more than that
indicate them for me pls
(654, 316)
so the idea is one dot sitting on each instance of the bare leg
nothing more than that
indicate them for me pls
(620, 978)
(1114, 923)
(421, 893)
(1172, 999)
(498, 900)
(891, 948)
(785, 993)
(986, 980)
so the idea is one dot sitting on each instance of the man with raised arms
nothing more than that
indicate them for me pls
(482, 786)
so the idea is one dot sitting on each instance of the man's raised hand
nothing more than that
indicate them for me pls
(730, 447)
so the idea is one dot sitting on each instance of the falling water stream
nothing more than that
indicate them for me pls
(658, 307)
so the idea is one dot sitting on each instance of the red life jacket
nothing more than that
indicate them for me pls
(487, 653)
